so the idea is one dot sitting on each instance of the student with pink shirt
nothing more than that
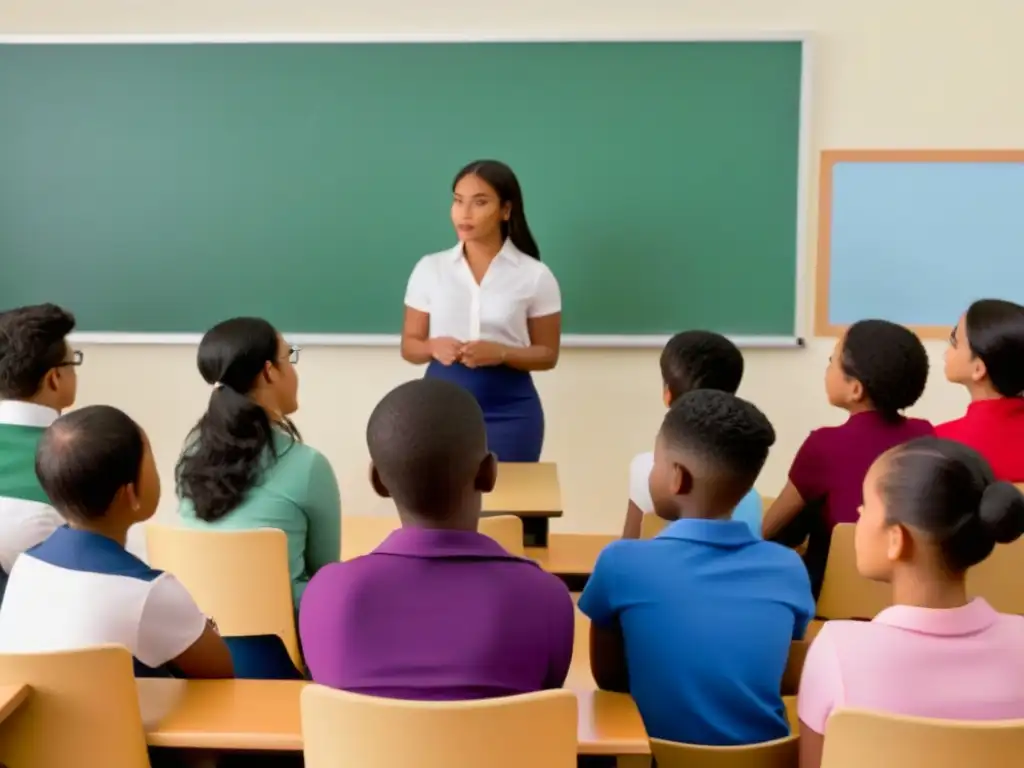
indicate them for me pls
(932, 509)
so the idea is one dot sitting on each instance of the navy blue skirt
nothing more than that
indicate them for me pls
(511, 406)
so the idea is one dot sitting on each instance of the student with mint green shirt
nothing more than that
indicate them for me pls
(244, 465)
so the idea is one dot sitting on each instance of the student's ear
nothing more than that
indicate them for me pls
(128, 495)
(487, 475)
(268, 372)
(856, 391)
(978, 370)
(682, 480)
(666, 396)
(51, 381)
(378, 485)
(898, 544)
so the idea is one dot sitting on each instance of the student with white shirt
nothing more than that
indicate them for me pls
(37, 381)
(691, 360)
(487, 312)
(81, 587)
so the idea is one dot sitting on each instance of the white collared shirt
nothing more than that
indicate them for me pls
(516, 287)
(23, 524)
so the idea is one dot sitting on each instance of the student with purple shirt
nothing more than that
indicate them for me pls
(877, 370)
(438, 611)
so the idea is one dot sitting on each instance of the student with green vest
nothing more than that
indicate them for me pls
(37, 382)
(244, 465)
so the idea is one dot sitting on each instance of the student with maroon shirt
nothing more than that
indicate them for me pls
(986, 356)
(877, 370)
(438, 611)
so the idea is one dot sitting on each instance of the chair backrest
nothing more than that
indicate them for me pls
(845, 594)
(856, 738)
(999, 578)
(781, 753)
(536, 730)
(82, 711)
(361, 534)
(239, 579)
(651, 525)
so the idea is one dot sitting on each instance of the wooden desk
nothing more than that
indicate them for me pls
(571, 556)
(264, 715)
(529, 491)
(12, 697)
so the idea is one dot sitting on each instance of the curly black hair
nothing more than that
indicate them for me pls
(889, 361)
(728, 435)
(33, 340)
(700, 360)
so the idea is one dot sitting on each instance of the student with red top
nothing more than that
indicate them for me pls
(877, 370)
(986, 355)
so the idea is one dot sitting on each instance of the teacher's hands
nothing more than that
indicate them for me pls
(445, 349)
(479, 354)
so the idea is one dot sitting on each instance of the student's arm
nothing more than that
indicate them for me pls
(821, 691)
(634, 521)
(807, 482)
(787, 505)
(323, 513)
(600, 603)
(172, 630)
(608, 657)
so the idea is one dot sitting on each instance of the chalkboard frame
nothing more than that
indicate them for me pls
(804, 155)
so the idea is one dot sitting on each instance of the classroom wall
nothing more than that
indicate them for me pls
(887, 74)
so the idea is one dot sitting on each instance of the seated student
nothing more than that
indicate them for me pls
(244, 465)
(697, 623)
(932, 509)
(438, 611)
(37, 382)
(986, 355)
(80, 587)
(691, 360)
(877, 370)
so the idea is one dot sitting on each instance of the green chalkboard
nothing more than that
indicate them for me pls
(164, 187)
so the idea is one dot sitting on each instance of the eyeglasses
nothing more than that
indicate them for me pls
(293, 354)
(76, 359)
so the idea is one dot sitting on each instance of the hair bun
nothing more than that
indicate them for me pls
(1002, 512)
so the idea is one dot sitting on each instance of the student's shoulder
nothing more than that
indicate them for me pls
(332, 581)
(298, 458)
(782, 563)
(919, 427)
(641, 465)
(951, 430)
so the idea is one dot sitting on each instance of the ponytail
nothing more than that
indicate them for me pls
(233, 443)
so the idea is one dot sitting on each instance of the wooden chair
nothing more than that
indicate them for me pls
(781, 753)
(341, 729)
(845, 594)
(239, 579)
(83, 711)
(856, 738)
(361, 534)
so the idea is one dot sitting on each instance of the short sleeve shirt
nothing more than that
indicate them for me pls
(515, 289)
(995, 429)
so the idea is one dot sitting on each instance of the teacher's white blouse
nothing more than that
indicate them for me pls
(515, 288)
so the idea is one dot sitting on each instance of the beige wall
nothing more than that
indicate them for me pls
(887, 74)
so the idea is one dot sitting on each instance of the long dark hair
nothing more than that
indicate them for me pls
(995, 333)
(505, 183)
(948, 492)
(233, 443)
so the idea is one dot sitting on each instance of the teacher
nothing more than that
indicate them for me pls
(487, 312)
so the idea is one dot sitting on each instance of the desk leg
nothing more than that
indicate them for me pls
(535, 531)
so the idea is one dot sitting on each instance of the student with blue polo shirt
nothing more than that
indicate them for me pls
(691, 360)
(80, 587)
(696, 623)
(38, 380)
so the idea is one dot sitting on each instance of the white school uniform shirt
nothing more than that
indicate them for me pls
(516, 288)
(79, 589)
(23, 524)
